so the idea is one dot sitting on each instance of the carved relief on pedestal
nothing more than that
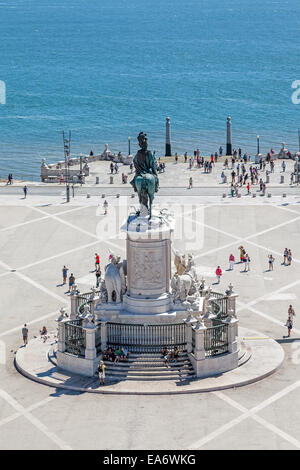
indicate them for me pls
(146, 269)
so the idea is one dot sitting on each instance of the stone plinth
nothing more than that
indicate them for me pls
(148, 265)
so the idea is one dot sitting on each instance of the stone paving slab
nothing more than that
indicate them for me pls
(266, 357)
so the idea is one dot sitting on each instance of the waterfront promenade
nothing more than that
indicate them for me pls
(40, 234)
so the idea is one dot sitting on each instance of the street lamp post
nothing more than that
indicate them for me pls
(257, 137)
(129, 146)
(67, 148)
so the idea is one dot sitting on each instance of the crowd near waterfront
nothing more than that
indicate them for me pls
(135, 80)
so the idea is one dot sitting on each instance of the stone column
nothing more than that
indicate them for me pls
(231, 304)
(103, 336)
(199, 352)
(90, 349)
(232, 333)
(189, 321)
(228, 144)
(61, 344)
(74, 304)
(168, 138)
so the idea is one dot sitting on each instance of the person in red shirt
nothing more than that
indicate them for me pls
(218, 274)
(248, 187)
(97, 261)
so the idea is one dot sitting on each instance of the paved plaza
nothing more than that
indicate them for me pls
(42, 233)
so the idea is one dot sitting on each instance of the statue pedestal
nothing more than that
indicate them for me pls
(148, 296)
(148, 265)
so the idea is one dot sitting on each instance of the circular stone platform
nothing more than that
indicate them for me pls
(37, 362)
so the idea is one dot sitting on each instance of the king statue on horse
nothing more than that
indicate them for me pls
(145, 181)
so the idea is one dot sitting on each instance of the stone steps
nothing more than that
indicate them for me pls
(150, 367)
(244, 354)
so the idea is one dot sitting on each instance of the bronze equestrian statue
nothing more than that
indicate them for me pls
(145, 181)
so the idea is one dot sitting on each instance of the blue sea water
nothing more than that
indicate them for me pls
(107, 69)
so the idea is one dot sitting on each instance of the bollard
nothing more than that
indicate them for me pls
(284, 195)
(253, 194)
(132, 195)
(225, 179)
(269, 195)
(281, 179)
(224, 195)
(118, 195)
(267, 179)
(97, 179)
(111, 180)
(88, 195)
(103, 196)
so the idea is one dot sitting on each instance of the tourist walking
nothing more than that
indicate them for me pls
(97, 261)
(242, 253)
(71, 281)
(101, 372)
(190, 182)
(283, 166)
(271, 262)
(98, 276)
(247, 263)
(289, 258)
(290, 320)
(25, 191)
(231, 262)
(285, 256)
(65, 274)
(25, 334)
(218, 274)
(105, 206)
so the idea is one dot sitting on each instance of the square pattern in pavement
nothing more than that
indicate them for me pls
(38, 241)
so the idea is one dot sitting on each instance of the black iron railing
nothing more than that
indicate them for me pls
(216, 340)
(219, 303)
(75, 341)
(146, 338)
(85, 298)
(98, 339)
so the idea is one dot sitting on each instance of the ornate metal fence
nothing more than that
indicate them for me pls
(216, 340)
(193, 340)
(75, 338)
(146, 338)
(219, 303)
(98, 339)
(85, 298)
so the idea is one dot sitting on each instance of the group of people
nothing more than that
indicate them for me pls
(287, 257)
(168, 356)
(245, 258)
(114, 168)
(116, 355)
(65, 270)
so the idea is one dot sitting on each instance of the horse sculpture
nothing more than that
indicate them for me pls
(184, 281)
(145, 181)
